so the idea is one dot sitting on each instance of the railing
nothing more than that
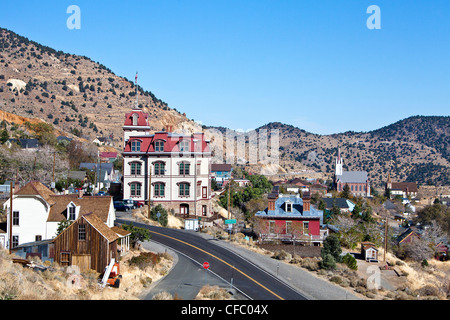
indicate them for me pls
(292, 238)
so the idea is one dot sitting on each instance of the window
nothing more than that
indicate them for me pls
(65, 259)
(184, 168)
(38, 238)
(15, 218)
(135, 145)
(288, 207)
(159, 145)
(135, 117)
(205, 192)
(204, 210)
(136, 168)
(184, 145)
(71, 213)
(15, 241)
(135, 189)
(271, 226)
(288, 227)
(184, 189)
(160, 168)
(159, 190)
(305, 227)
(81, 232)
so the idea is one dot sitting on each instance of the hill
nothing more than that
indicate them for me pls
(83, 98)
(413, 149)
(74, 93)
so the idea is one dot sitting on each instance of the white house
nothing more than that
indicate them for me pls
(37, 211)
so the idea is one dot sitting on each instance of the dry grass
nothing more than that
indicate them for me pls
(22, 283)
(213, 293)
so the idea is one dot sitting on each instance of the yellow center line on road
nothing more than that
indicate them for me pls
(244, 274)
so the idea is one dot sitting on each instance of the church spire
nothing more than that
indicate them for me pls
(339, 163)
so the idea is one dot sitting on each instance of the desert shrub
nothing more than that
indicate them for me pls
(145, 259)
(327, 262)
(311, 264)
(282, 255)
(336, 279)
(350, 261)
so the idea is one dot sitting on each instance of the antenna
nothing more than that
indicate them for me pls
(137, 96)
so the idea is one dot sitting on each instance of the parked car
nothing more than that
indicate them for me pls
(129, 203)
(138, 204)
(120, 206)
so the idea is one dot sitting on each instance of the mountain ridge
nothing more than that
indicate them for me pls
(86, 99)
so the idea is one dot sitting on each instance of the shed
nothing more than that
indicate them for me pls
(87, 243)
(369, 251)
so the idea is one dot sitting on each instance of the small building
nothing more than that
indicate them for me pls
(369, 251)
(221, 172)
(43, 249)
(87, 243)
(402, 189)
(343, 204)
(108, 156)
(290, 218)
(409, 236)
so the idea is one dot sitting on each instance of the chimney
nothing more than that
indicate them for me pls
(80, 193)
(273, 196)
(306, 201)
(169, 128)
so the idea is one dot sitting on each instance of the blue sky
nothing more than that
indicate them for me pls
(241, 64)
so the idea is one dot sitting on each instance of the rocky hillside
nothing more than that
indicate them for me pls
(84, 98)
(74, 93)
(414, 149)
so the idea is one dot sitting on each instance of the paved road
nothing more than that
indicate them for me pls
(247, 277)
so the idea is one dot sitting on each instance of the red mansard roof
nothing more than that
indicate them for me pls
(171, 142)
(142, 118)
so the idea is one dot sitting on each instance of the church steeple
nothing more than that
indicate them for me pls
(339, 163)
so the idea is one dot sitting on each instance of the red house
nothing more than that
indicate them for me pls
(290, 218)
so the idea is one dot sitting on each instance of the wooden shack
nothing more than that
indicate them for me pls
(369, 251)
(87, 243)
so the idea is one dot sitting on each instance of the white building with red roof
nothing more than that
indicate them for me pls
(171, 169)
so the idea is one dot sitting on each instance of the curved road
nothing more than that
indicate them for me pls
(247, 277)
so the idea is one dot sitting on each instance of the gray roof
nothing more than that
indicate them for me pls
(353, 177)
(297, 209)
(93, 166)
(26, 143)
(340, 203)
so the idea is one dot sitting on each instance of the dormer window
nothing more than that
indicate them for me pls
(135, 145)
(71, 212)
(184, 145)
(288, 206)
(159, 146)
(135, 118)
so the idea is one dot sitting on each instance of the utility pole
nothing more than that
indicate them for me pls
(149, 189)
(385, 237)
(229, 187)
(10, 214)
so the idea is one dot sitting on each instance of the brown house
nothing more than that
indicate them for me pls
(87, 243)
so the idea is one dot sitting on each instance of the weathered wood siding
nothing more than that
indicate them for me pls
(94, 245)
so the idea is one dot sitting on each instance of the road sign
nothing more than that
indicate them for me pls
(205, 265)
(230, 221)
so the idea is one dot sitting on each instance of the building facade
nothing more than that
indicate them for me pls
(357, 181)
(170, 169)
(290, 218)
(37, 212)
